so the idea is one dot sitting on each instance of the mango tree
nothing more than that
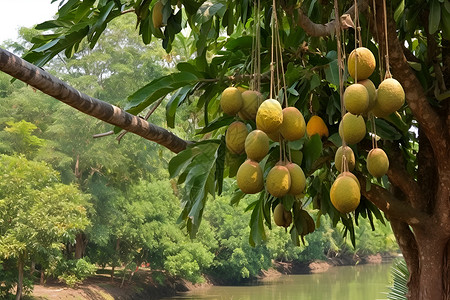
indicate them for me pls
(413, 36)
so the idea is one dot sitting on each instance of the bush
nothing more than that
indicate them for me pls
(74, 271)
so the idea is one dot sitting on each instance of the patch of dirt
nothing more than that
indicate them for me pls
(99, 287)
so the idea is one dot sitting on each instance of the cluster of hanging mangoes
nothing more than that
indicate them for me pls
(362, 99)
(275, 123)
(272, 121)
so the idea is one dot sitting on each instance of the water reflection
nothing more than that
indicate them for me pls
(366, 282)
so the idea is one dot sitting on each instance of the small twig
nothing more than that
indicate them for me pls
(99, 135)
(127, 11)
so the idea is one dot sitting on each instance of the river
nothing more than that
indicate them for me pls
(363, 282)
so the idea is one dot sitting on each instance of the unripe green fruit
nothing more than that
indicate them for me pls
(356, 99)
(377, 162)
(352, 128)
(250, 103)
(278, 181)
(391, 95)
(235, 137)
(269, 116)
(298, 179)
(345, 194)
(366, 63)
(281, 216)
(349, 155)
(293, 126)
(157, 15)
(257, 145)
(231, 101)
(249, 177)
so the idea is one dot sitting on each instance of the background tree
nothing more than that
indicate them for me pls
(38, 212)
(415, 193)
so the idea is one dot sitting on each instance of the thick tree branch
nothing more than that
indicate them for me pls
(393, 207)
(50, 85)
(314, 29)
(399, 177)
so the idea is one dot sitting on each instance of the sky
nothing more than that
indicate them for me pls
(23, 13)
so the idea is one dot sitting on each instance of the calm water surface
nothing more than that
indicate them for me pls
(365, 282)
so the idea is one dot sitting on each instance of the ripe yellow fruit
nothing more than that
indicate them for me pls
(257, 145)
(298, 179)
(345, 194)
(235, 137)
(349, 155)
(157, 15)
(352, 128)
(231, 101)
(356, 99)
(269, 116)
(371, 90)
(250, 103)
(366, 63)
(249, 177)
(281, 216)
(278, 181)
(350, 175)
(377, 162)
(316, 125)
(293, 126)
(390, 96)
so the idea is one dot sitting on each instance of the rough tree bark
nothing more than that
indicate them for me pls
(20, 266)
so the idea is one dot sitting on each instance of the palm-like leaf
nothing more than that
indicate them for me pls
(400, 275)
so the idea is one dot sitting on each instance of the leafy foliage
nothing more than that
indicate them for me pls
(400, 276)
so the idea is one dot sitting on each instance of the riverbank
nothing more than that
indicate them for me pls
(144, 286)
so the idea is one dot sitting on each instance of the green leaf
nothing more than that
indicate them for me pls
(156, 89)
(399, 11)
(180, 161)
(66, 8)
(332, 69)
(237, 196)
(220, 165)
(175, 101)
(208, 10)
(311, 151)
(243, 42)
(216, 124)
(104, 13)
(446, 21)
(386, 131)
(257, 232)
(435, 16)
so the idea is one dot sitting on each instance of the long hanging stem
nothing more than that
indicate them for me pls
(357, 41)
(272, 55)
(341, 79)
(380, 68)
(388, 72)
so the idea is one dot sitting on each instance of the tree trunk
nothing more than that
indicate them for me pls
(114, 263)
(20, 280)
(79, 246)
